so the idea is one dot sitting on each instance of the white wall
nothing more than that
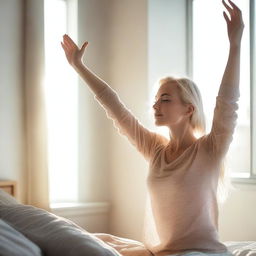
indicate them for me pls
(237, 215)
(94, 137)
(128, 76)
(93, 217)
(12, 132)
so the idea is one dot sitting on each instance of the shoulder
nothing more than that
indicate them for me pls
(160, 142)
(210, 147)
(204, 144)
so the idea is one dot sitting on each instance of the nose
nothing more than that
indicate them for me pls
(155, 105)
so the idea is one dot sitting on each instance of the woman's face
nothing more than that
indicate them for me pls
(169, 110)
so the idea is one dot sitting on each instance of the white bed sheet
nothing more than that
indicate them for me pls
(243, 248)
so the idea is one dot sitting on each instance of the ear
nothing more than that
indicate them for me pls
(190, 109)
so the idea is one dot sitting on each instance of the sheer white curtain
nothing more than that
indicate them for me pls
(37, 167)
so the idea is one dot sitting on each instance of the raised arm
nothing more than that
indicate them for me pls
(225, 116)
(144, 140)
(230, 82)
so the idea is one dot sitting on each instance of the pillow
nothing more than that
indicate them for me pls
(54, 235)
(13, 243)
(6, 198)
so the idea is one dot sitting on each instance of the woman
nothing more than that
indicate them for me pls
(184, 171)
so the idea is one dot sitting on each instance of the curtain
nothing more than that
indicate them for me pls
(36, 127)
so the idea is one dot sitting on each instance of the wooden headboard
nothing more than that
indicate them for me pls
(9, 186)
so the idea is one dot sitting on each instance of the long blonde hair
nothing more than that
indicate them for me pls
(189, 93)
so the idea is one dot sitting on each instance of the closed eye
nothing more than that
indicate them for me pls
(162, 100)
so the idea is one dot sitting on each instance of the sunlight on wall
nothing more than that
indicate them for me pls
(210, 52)
(61, 88)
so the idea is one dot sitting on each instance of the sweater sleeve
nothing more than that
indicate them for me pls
(144, 140)
(224, 122)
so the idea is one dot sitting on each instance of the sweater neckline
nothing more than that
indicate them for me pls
(180, 157)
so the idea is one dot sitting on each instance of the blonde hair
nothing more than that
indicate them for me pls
(189, 93)
(224, 183)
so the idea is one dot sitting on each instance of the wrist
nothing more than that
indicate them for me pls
(235, 46)
(78, 65)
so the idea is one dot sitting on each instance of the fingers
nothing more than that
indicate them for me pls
(235, 13)
(226, 17)
(234, 20)
(84, 46)
(69, 42)
(235, 7)
(65, 44)
(227, 6)
(64, 47)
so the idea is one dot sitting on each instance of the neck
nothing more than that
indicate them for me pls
(181, 137)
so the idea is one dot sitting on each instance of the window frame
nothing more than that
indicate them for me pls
(189, 34)
(252, 85)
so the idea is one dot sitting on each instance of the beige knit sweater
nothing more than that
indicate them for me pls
(183, 212)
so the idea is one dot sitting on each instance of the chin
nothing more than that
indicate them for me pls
(157, 123)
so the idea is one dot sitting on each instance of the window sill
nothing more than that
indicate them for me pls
(249, 180)
(77, 209)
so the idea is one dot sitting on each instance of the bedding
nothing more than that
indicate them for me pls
(54, 235)
(37, 228)
(6, 198)
(13, 243)
(246, 248)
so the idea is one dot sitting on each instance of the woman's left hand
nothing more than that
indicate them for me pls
(235, 24)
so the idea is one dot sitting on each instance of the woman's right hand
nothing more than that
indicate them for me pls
(235, 24)
(74, 55)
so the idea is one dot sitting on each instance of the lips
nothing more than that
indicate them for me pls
(158, 115)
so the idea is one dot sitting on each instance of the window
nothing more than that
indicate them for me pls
(209, 48)
(61, 88)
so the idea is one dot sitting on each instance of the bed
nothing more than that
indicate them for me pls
(26, 230)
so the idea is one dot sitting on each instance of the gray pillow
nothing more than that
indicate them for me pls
(54, 235)
(5, 198)
(13, 243)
